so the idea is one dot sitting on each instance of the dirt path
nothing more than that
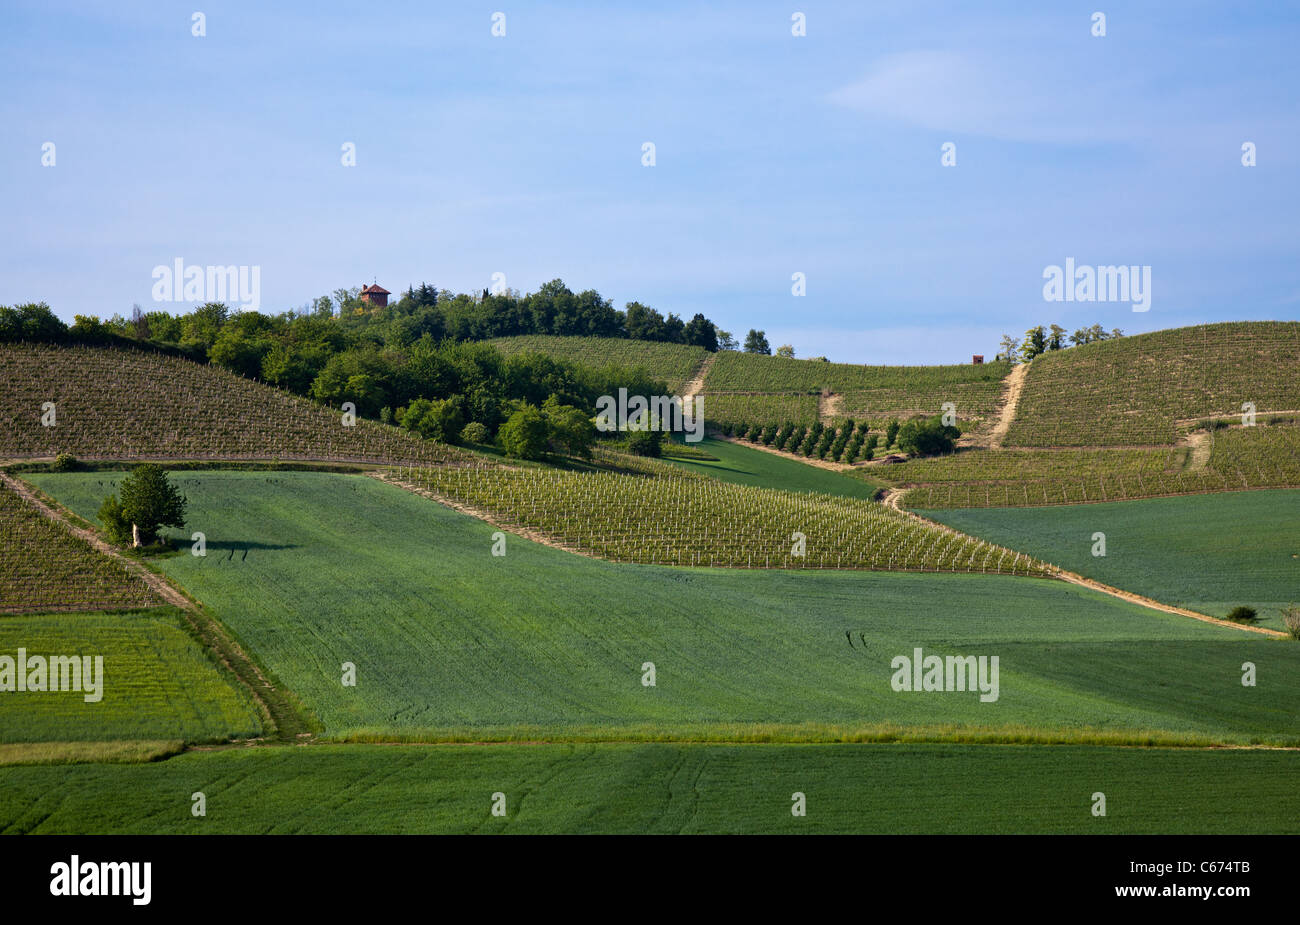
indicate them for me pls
(696, 385)
(1010, 401)
(155, 582)
(1201, 445)
(893, 497)
(277, 711)
(829, 406)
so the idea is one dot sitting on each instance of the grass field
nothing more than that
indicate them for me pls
(313, 570)
(742, 465)
(637, 789)
(157, 682)
(1205, 552)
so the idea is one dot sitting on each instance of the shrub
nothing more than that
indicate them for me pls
(524, 434)
(927, 437)
(796, 439)
(474, 432)
(891, 432)
(1291, 620)
(645, 442)
(783, 435)
(768, 435)
(66, 462)
(1242, 615)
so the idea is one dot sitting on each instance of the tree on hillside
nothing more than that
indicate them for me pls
(525, 434)
(1035, 343)
(725, 340)
(1010, 349)
(1056, 338)
(785, 350)
(149, 501)
(700, 332)
(756, 342)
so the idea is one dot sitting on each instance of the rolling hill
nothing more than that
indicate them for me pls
(128, 404)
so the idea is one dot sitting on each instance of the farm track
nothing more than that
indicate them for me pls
(829, 406)
(696, 384)
(1015, 386)
(892, 497)
(274, 706)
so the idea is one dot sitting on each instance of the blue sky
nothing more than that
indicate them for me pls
(775, 154)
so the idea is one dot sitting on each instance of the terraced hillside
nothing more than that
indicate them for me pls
(44, 567)
(1150, 388)
(126, 404)
(675, 363)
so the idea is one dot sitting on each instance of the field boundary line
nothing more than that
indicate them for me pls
(893, 496)
(283, 719)
(841, 468)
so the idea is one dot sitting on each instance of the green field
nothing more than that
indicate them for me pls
(157, 682)
(312, 570)
(742, 465)
(665, 789)
(1205, 552)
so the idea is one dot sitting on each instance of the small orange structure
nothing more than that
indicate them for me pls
(977, 359)
(376, 295)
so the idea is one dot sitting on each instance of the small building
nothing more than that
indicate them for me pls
(376, 295)
(978, 359)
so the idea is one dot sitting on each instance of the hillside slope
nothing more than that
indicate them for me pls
(674, 363)
(127, 404)
(1148, 389)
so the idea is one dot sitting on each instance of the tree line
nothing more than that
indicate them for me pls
(1040, 339)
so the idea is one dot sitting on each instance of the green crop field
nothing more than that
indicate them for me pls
(1136, 390)
(157, 682)
(674, 363)
(44, 567)
(745, 466)
(1209, 553)
(664, 789)
(722, 407)
(194, 412)
(312, 570)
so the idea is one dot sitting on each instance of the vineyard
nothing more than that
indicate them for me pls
(700, 522)
(742, 389)
(44, 568)
(1146, 389)
(123, 404)
(674, 363)
(1240, 458)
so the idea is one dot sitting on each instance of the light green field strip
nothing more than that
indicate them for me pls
(745, 466)
(157, 682)
(664, 789)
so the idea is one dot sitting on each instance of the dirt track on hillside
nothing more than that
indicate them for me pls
(892, 497)
(1007, 414)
